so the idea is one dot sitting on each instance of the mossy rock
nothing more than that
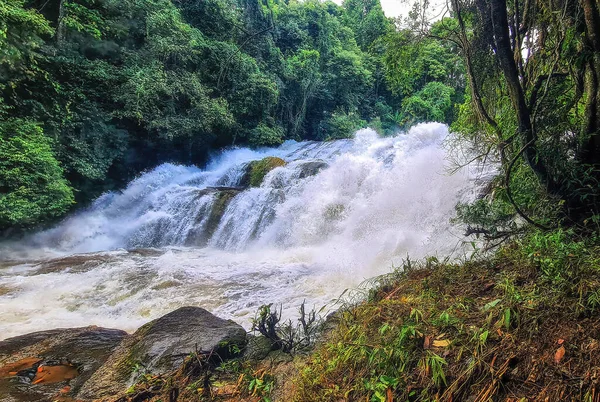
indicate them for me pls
(160, 346)
(257, 170)
(223, 198)
(86, 349)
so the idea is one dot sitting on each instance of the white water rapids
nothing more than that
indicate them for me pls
(137, 254)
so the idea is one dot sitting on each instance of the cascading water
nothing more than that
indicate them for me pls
(337, 213)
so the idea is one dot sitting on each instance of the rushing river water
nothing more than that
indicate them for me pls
(137, 254)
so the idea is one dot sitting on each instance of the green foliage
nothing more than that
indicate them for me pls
(121, 86)
(428, 73)
(32, 186)
(266, 135)
(261, 387)
(21, 33)
(341, 125)
(533, 105)
(556, 253)
(432, 103)
(83, 19)
(367, 20)
(412, 62)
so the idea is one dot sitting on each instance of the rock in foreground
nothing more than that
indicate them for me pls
(161, 346)
(37, 366)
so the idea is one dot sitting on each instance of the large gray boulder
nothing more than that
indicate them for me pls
(161, 346)
(80, 351)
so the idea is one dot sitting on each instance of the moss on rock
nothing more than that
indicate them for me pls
(222, 200)
(257, 170)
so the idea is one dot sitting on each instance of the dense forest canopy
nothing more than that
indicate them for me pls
(94, 91)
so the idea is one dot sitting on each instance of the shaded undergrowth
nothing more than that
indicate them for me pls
(522, 325)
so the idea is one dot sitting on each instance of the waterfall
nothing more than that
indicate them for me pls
(334, 214)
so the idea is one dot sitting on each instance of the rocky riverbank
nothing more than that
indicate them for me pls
(100, 364)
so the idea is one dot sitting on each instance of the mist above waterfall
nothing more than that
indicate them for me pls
(337, 213)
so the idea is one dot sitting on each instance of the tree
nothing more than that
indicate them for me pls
(432, 103)
(21, 36)
(426, 71)
(367, 20)
(118, 86)
(32, 186)
(533, 76)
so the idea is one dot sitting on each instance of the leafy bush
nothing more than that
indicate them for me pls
(432, 103)
(341, 125)
(32, 186)
(264, 135)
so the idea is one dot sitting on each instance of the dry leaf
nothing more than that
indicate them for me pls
(561, 341)
(53, 374)
(560, 353)
(13, 368)
(427, 342)
(441, 344)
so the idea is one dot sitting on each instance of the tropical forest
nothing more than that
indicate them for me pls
(299, 200)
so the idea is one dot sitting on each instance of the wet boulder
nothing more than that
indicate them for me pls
(201, 234)
(298, 171)
(161, 346)
(257, 170)
(42, 365)
(311, 168)
(222, 200)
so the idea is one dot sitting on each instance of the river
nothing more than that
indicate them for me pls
(137, 254)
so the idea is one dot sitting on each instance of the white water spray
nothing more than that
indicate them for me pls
(337, 213)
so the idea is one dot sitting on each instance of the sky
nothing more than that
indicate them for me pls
(395, 8)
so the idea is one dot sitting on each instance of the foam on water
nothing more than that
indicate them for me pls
(296, 237)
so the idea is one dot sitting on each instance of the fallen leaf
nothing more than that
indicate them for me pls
(560, 353)
(13, 368)
(52, 374)
(441, 344)
(427, 342)
(561, 341)
(229, 389)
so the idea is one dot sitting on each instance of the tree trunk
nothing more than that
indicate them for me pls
(60, 25)
(505, 56)
(474, 88)
(590, 152)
